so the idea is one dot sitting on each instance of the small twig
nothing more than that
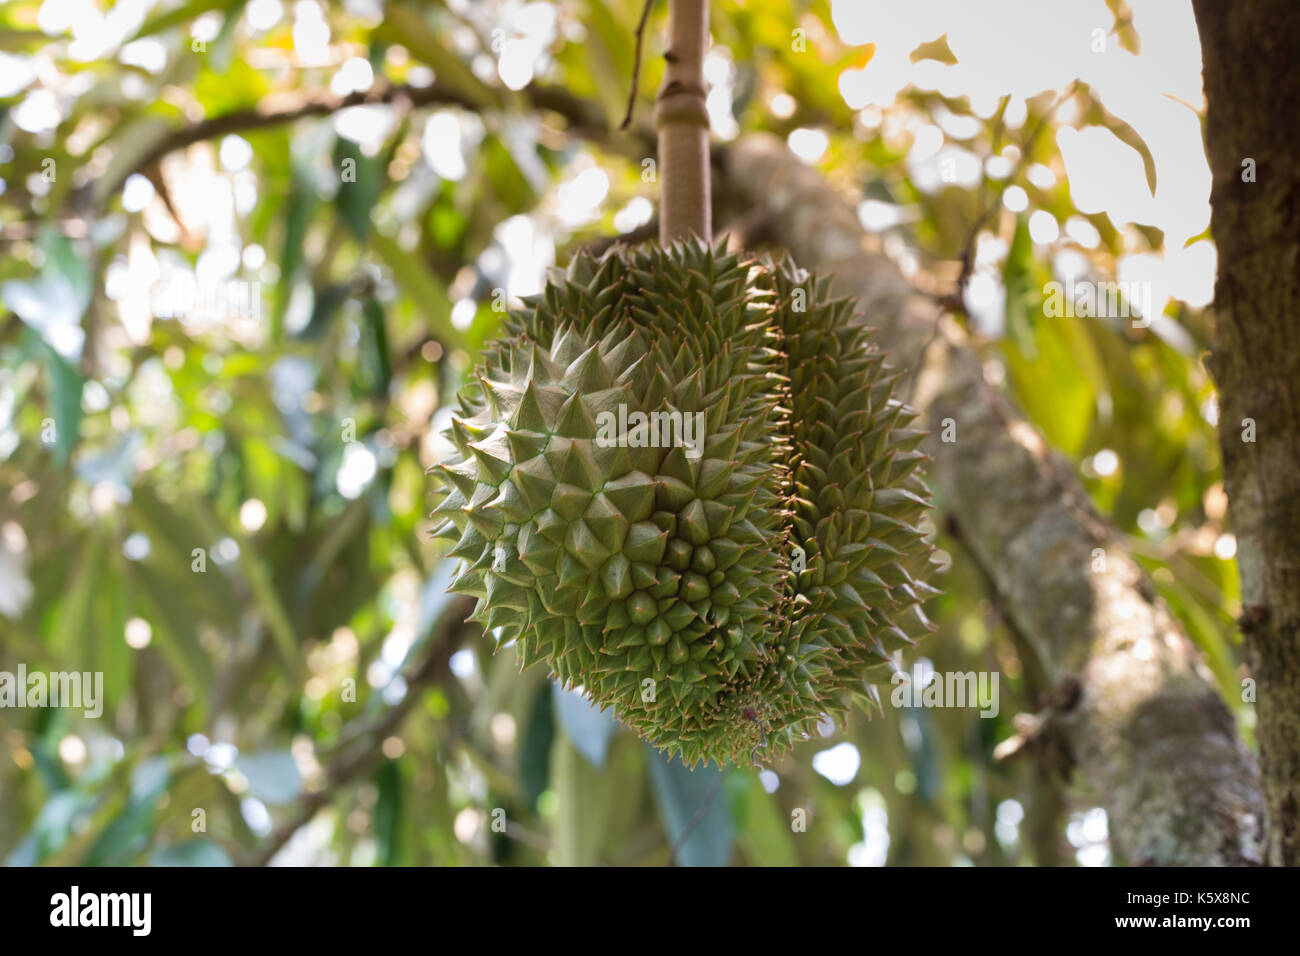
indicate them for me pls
(945, 307)
(636, 65)
(583, 118)
(153, 172)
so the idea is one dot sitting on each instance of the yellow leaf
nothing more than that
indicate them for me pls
(864, 56)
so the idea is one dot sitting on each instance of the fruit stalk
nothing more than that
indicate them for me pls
(682, 123)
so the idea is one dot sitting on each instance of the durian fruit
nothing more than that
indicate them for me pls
(723, 595)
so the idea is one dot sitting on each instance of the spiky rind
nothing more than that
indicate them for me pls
(660, 580)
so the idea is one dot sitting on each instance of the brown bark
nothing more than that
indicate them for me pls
(1253, 95)
(1132, 704)
(683, 125)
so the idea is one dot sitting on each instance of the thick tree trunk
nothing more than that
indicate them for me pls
(1132, 705)
(1249, 51)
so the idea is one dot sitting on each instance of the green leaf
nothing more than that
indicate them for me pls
(1097, 114)
(589, 728)
(762, 831)
(388, 813)
(1017, 279)
(590, 802)
(301, 207)
(357, 193)
(182, 14)
(134, 141)
(128, 834)
(509, 185)
(260, 578)
(379, 365)
(222, 53)
(72, 618)
(1065, 412)
(1124, 30)
(692, 798)
(421, 285)
(173, 536)
(581, 806)
(272, 775)
(51, 828)
(104, 645)
(51, 306)
(406, 25)
(535, 754)
(608, 49)
(175, 629)
(325, 306)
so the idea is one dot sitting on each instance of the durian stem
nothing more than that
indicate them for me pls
(682, 122)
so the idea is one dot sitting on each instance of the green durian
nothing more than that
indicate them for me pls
(726, 593)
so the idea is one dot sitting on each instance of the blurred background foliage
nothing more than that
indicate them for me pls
(223, 507)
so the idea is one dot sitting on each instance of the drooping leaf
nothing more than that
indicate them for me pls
(692, 806)
(421, 285)
(272, 775)
(590, 729)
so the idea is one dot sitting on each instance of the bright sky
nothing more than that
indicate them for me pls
(1023, 47)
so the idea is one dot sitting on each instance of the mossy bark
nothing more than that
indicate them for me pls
(1133, 707)
(1249, 52)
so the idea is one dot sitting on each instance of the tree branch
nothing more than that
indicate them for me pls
(584, 119)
